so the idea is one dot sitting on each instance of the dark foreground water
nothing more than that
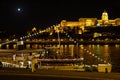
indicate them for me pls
(4, 77)
(48, 74)
(86, 76)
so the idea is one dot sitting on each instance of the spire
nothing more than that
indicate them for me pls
(105, 11)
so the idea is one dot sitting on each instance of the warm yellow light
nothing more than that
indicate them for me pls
(34, 29)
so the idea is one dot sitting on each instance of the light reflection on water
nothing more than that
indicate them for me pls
(109, 53)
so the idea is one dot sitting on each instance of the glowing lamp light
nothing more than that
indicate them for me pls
(20, 43)
(29, 62)
(82, 58)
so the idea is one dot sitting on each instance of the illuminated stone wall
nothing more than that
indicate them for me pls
(80, 22)
(117, 21)
(90, 22)
(70, 23)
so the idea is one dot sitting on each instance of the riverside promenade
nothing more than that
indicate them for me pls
(49, 74)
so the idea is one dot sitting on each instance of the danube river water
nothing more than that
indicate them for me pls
(94, 54)
(109, 53)
(48, 74)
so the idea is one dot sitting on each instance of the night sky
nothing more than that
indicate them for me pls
(44, 13)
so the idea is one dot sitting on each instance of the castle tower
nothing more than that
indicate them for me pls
(105, 17)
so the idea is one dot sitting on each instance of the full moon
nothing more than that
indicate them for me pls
(18, 9)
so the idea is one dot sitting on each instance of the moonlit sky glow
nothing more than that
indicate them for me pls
(44, 13)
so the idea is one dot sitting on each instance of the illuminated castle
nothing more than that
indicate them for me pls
(91, 22)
